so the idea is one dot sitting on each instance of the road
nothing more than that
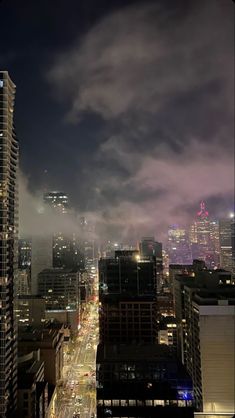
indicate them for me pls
(76, 395)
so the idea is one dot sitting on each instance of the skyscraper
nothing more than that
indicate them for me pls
(203, 238)
(136, 377)
(225, 239)
(127, 298)
(58, 200)
(178, 247)
(8, 247)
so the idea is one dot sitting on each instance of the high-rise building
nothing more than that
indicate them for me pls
(136, 377)
(66, 247)
(178, 247)
(203, 237)
(205, 315)
(60, 288)
(225, 239)
(142, 381)
(8, 246)
(211, 356)
(127, 291)
(233, 242)
(24, 249)
(57, 200)
(150, 248)
(41, 258)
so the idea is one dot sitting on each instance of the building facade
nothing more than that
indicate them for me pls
(143, 382)
(203, 236)
(60, 288)
(127, 291)
(8, 246)
(211, 359)
(225, 239)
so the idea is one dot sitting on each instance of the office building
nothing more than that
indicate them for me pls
(148, 247)
(146, 381)
(127, 292)
(22, 285)
(208, 279)
(211, 356)
(66, 252)
(205, 314)
(225, 238)
(233, 243)
(185, 269)
(215, 243)
(24, 249)
(60, 288)
(167, 332)
(136, 377)
(30, 310)
(178, 247)
(41, 258)
(59, 201)
(203, 236)
(8, 246)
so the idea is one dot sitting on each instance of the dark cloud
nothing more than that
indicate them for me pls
(144, 126)
(164, 89)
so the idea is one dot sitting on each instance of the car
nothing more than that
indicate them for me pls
(73, 395)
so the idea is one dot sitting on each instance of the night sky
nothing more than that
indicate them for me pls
(125, 105)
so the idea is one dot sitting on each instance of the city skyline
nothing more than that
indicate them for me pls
(117, 216)
(134, 154)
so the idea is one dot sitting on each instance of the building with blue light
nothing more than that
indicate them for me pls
(145, 382)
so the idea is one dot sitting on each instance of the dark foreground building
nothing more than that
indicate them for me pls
(136, 377)
(141, 381)
(127, 293)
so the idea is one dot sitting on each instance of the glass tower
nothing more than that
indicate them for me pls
(8, 247)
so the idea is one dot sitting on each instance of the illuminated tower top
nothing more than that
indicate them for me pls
(203, 213)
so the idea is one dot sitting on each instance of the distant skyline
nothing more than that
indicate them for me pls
(127, 107)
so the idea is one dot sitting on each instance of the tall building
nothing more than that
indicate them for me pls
(225, 238)
(203, 236)
(57, 200)
(210, 340)
(178, 247)
(66, 249)
(41, 258)
(136, 377)
(150, 248)
(205, 315)
(141, 382)
(127, 291)
(233, 242)
(8, 246)
(60, 288)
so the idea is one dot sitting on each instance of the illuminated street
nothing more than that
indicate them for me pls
(76, 396)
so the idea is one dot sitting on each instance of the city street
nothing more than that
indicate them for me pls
(76, 395)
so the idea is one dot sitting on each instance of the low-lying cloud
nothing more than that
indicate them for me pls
(163, 85)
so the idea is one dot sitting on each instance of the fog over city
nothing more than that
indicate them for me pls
(162, 92)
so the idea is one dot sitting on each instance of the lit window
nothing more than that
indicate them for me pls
(158, 402)
(1, 83)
